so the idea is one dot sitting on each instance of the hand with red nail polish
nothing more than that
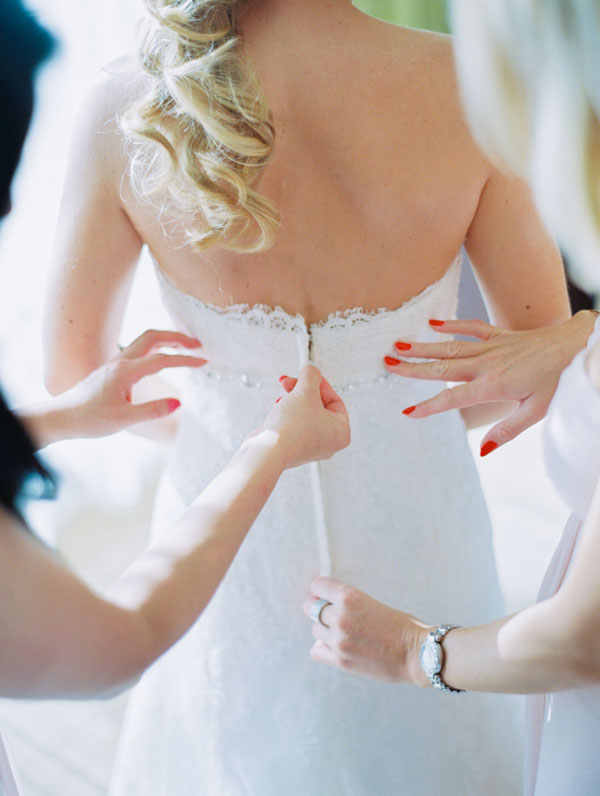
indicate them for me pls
(392, 362)
(488, 447)
(102, 404)
(500, 375)
(310, 420)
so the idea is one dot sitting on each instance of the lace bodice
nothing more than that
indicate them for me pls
(256, 344)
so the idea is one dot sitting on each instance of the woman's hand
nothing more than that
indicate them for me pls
(361, 635)
(101, 404)
(311, 421)
(522, 366)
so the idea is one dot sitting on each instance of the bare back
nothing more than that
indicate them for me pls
(375, 175)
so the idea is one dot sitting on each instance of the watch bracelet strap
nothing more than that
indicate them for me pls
(436, 681)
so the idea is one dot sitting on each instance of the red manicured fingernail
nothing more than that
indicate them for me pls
(391, 361)
(278, 399)
(488, 448)
(409, 410)
(436, 323)
(403, 346)
(173, 404)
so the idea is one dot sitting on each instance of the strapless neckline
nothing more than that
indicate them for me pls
(258, 343)
(279, 318)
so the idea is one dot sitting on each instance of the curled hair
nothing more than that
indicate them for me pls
(203, 128)
(529, 77)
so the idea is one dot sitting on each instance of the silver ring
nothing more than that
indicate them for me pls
(316, 609)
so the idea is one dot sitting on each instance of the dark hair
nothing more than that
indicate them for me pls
(24, 45)
(22, 475)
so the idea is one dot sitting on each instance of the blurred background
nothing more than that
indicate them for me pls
(101, 518)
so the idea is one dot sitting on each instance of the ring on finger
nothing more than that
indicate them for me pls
(316, 610)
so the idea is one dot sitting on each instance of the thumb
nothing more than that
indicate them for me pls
(153, 410)
(309, 379)
(528, 413)
(331, 400)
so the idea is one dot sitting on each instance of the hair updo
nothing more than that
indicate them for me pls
(203, 127)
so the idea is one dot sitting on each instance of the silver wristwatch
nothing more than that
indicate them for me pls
(432, 658)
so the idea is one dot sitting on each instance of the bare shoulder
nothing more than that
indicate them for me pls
(416, 75)
(116, 86)
(425, 60)
(98, 141)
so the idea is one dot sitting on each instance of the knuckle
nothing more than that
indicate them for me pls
(345, 625)
(440, 368)
(157, 411)
(341, 661)
(348, 598)
(496, 385)
(504, 433)
(444, 399)
(345, 645)
(148, 335)
(453, 348)
(120, 367)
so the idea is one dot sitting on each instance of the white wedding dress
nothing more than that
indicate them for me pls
(237, 707)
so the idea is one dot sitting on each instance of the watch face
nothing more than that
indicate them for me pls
(431, 657)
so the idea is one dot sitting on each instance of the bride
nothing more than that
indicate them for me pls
(304, 180)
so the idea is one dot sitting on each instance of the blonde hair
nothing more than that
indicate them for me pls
(203, 129)
(530, 79)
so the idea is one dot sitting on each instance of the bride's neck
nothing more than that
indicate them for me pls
(265, 12)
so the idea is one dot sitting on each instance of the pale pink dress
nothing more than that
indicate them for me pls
(8, 777)
(563, 729)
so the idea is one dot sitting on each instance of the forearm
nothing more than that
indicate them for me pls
(526, 653)
(67, 642)
(170, 585)
(55, 420)
(47, 422)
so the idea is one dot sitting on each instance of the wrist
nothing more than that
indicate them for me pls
(267, 446)
(433, 658)
(417, 675)
(47, 423)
